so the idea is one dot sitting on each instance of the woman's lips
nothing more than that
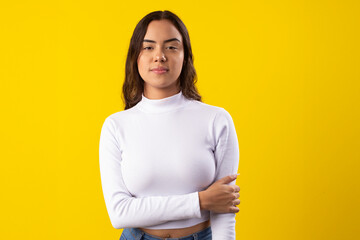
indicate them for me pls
(159, 71)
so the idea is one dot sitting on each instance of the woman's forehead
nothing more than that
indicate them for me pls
(162, 30)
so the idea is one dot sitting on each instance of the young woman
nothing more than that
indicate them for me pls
(168, 162)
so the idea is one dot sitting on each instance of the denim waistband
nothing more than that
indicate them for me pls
(137, 233)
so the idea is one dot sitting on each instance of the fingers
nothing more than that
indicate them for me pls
(236, 202)
(236, 195)
(227, 179)
(234, 209)
(235, 188)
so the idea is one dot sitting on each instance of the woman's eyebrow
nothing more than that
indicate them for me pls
(169, 40)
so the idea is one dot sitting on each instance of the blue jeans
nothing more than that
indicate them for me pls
(137, 234)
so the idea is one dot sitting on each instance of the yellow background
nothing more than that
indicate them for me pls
(287, 72)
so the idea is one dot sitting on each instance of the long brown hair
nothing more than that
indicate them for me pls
(133, 86)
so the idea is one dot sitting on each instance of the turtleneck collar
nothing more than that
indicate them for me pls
(162, 105)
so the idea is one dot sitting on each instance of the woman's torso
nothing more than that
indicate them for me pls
(177, 233)
(169, 153)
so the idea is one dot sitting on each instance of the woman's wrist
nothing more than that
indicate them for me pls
(202, 200)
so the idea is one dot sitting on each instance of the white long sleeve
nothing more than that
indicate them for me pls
(156, 156)
(227, 154)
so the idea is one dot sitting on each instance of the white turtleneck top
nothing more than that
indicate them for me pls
(158, 155)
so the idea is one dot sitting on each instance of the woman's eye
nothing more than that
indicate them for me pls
(146, 48)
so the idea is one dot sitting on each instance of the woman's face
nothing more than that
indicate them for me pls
(162, 47)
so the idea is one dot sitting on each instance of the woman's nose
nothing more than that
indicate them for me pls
(160, 56)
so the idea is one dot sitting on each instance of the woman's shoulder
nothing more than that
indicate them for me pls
(217, 115)
(121, 116)
(214, 109)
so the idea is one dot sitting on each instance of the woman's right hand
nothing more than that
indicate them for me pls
(221, 197)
